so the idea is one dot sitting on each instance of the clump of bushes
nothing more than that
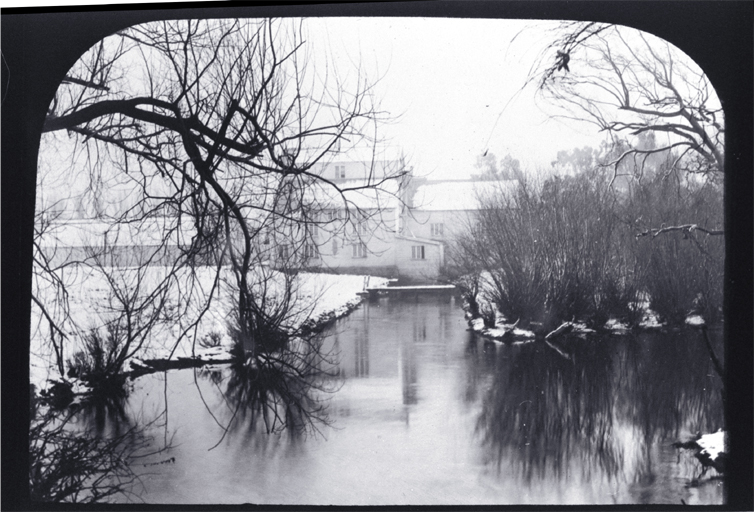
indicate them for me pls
(100, 363)
(256, 334)
(683, 271)
(549, 252)
(213, 339)
(101, 355)
(569, 249)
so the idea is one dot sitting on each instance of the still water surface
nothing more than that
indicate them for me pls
(426, 413)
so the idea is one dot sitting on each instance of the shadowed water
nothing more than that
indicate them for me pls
(420, 411)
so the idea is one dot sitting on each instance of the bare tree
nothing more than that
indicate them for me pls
(217, 128)
(629, 83)
(666, 126)
(664, 120)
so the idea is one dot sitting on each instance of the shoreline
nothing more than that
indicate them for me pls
(333, 296)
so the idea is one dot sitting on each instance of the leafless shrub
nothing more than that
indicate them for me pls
(683, 271)
(79, 467)
(549, 253)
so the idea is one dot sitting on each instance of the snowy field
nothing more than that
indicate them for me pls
(317, 297)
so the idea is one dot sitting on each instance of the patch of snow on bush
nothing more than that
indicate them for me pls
(616, 325)
(695, 321)
(477, 324)
(650, 320)
(712, 444)
(522, 333)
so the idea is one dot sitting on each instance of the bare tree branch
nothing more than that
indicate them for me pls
(686, 229)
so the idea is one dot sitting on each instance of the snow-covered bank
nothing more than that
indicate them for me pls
(322, 299)
(711, 450)
(318, 299)
(503, 330)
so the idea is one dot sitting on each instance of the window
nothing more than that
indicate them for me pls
(283, 252)
(361, 227)
(340, 171)
(437, 229)
(311, 252)
(417, 252)
(334, 246)
(359, 250)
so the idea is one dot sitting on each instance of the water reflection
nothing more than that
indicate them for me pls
(362, 354)
(594, 406)
(103, 413)
(417, 410)
(543, 411)
(409, 377)
(275, 392)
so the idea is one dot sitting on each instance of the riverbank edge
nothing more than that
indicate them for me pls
(223, 355)
(65, 391)
(711, 449)
(502, 332)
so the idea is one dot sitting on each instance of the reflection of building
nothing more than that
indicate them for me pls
(409, 378)
(362, 354)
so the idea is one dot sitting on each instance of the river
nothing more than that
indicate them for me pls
(424, 412)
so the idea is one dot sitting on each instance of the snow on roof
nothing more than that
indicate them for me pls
(94, 233)
(381, 154)
(458, 195)
(354, 195)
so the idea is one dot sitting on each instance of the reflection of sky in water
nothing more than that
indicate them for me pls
(426, 415)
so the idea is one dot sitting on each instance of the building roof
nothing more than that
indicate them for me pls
(458, 195)
(367, 154)
(353, 194)
(94, 233)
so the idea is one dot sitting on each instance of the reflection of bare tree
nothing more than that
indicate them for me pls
(103, 413)
(546, 412)
(543, 410)
(277, 391)
(70, 461)
(666, 387)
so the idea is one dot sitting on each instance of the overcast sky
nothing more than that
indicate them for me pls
(450, 81)
(454, 88)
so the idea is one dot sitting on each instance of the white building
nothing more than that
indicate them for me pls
(367, 221)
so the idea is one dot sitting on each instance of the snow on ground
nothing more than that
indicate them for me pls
(649, 320)
(318, 297)
(695, 321)
(712, 444)
(616, 326)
